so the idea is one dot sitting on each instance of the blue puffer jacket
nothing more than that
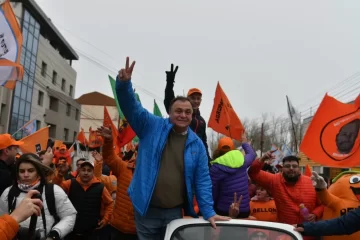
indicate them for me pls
(228, 175)
(153, 132)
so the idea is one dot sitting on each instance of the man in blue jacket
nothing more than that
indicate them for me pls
(171, 162)
(345, 225)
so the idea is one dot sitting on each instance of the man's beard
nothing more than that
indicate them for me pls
(289, 179)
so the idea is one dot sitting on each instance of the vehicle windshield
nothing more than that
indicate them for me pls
(224, 232)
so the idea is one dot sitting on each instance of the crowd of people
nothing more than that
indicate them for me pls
(172, 175)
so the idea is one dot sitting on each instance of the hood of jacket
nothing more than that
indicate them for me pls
(230, 161)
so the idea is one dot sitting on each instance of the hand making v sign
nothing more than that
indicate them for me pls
(125, 73)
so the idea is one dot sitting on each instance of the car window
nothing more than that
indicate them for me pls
(233, 232)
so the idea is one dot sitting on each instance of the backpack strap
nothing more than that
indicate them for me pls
(14, 192)
(50, 201)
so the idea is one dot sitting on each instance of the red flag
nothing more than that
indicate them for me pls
(82, 138)
(223, 118)
(109, 124)
(94, 139)
(308, 171)
(125, 133)
(333, 137)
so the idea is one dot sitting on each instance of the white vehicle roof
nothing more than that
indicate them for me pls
(174, 225)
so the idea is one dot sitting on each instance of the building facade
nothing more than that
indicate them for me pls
(92, 110)
(46, 92)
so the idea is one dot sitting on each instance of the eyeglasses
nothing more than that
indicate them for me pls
(291, 166)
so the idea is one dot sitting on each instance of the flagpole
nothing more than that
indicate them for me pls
(292, 123)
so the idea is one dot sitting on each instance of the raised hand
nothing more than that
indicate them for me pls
(268, 157)
(48, 157)
(234, 209)
(97, 156)
(318, 181)
(244, 138)
(170, 75)
(105, 132)
(125, 73)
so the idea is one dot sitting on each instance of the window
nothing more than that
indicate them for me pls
(71, 91)
(40, 98)
(43, 69)
(75, 136)
(54, 77)
(66, 134)
(68, 109)
(54, 104)
(38, 124)
(52, 131)
(2, 114)
(77, 114)
(63, 83)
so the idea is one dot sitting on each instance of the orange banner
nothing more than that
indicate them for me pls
(308, 171)
(11, 46)
(333, 137)
(223, 118)
(35, 142)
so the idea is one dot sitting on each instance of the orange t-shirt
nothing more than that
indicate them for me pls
(263, 211)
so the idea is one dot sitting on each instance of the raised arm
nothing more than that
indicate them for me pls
(169, 89)
(250, 154)
(115, 163)
(263, 178)
(138, 117)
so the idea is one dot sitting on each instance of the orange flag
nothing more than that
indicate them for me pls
(333, 137)
(35, 142)
(82, 138)
(109, 123)
(308, 171)
(223, 118)
(10, 47)
(94, 139)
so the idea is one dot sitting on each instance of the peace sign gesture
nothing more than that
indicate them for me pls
(125, 74)
(234, 209)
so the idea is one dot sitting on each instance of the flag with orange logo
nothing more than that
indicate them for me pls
(333, 137)
(109, 124)
(10, 47)
(223, 118)
(82, 138)
(35, 142)
(95, 140)
(308, 171)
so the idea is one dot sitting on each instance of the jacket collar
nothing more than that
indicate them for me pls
(191, 134)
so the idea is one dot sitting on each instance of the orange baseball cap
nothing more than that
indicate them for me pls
(6, 140)
(62, 147)
(226, 142)
(194, 90)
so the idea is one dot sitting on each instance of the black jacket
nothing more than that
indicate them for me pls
(7, 176)
(198, 124)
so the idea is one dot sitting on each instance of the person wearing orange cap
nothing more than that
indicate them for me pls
(9, 147)
(198, 124)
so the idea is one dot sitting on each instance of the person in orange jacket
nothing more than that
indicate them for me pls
(9, 224)
(91, 200)
(123, 219)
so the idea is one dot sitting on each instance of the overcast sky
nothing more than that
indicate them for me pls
(260, 51)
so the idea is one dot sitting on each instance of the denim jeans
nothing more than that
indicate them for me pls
(152, 226)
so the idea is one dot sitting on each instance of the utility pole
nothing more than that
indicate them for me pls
(262, 140)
